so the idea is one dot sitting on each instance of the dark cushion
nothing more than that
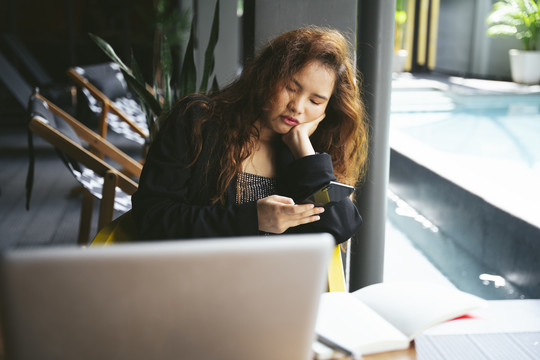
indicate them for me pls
(107, 78)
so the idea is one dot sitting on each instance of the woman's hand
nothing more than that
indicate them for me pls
(278, 213)
(297, 139)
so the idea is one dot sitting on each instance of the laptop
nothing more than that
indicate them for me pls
(228, 298)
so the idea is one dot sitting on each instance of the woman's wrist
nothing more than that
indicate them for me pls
(304, 149)
(299, 144)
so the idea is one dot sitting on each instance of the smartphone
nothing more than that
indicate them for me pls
(329, 193)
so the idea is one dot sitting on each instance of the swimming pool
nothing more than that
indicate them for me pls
(466, 162)
(488, 144)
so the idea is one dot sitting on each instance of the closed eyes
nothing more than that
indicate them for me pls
(315, 99)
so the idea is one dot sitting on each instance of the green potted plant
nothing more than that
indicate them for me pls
(158, 101)
(519, 19)
(400, 53)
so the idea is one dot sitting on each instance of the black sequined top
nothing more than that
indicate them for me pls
(251, 187)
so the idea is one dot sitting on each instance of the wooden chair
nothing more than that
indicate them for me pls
(107, 94)
(98, 178)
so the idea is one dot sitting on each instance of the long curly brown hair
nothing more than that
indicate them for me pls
(343, 133)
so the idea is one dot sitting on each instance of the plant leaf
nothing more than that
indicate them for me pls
(166, 73)
(401, 17)
(136, 69)
(215, 85)
(502, 30)
(142, 92)
(188, 74)
(209, 60)
(516, 18)
(137, 73)
(137, 86)
(109, 51)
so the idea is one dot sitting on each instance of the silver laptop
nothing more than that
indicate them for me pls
(242, 298)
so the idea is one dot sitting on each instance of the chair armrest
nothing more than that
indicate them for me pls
(133, 167)
(82, 82)
(107, 103)
(77, 152)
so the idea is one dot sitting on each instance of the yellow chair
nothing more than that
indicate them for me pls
(122, 230)
(336, 275)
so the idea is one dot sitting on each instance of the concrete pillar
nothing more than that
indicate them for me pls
(374, 61)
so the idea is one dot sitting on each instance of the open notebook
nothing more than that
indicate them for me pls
(241, 298)
(504, 329)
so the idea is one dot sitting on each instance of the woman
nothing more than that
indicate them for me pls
(237, 162)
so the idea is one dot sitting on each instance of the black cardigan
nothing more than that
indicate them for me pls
(173, 200)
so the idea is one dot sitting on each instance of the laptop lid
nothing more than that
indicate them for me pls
(241, 298)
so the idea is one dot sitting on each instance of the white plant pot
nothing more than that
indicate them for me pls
(400, 58)
(525, 66)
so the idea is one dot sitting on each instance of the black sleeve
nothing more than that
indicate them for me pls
(302, 177)
(173, 199)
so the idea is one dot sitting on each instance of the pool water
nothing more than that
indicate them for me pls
(488, 144)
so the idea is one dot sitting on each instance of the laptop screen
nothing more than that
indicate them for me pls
(229, 298)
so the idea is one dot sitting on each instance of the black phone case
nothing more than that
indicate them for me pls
(328, 194)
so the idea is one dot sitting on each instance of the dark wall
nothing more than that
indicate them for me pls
(56, 31)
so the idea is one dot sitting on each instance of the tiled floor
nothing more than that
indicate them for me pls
(54, 213)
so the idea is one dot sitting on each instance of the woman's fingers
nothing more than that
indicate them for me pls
(277, 213)
(280, 199)
(306, 210)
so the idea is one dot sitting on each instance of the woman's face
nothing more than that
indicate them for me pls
(302, 99)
